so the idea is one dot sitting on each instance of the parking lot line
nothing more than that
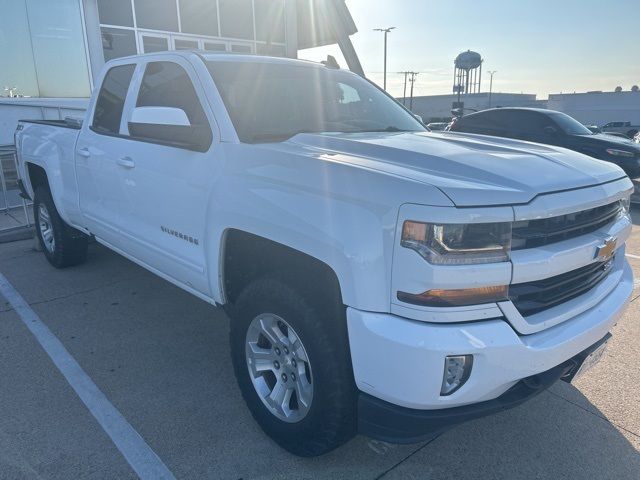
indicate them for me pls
(142, 459)
(636, 257)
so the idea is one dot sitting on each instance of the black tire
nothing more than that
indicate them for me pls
(331, 418)
(69, 245)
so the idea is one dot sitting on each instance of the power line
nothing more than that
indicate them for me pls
(409, 76)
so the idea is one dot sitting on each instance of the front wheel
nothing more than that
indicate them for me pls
(63, 245)
(292, 364)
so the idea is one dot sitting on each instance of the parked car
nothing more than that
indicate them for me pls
(379, 278)
(617, 134)
(625, 128)
(437, 126)
(552, 128)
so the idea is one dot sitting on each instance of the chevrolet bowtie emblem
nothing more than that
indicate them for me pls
(605, 252)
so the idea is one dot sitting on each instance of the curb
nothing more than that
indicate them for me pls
(16, 234)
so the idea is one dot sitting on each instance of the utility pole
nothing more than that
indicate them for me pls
(491, 85)
(404, 96)
(386, 32)
(413, 81)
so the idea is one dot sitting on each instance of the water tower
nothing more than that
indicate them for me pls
(467, 75)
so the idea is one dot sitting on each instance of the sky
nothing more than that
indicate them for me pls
(535, 46)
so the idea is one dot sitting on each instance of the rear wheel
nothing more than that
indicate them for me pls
(293, 367)
(63, 245)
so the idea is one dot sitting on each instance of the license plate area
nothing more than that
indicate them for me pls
(588, 359)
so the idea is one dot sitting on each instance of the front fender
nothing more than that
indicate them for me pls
(343, 216)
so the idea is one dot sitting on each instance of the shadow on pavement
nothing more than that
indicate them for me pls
(546, 438)
(162, 358)
(635, 214)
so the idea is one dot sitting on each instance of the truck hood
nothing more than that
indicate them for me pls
(472, 170)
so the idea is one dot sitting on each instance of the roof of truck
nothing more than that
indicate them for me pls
(226, 57)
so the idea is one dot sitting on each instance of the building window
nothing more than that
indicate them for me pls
(215, 47)
(115, 12)
(240, 26)
(236, 19)
(110, 103)
(270, 20)
(152, 43)
(271, 50)
(157, 14)
(181, 44)
(199, 17)
(117, 43)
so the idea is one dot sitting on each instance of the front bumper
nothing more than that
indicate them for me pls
(401, 361)
(390, 423)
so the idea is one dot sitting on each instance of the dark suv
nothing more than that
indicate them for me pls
(552, 128)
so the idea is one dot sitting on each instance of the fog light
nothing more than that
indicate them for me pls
(457, 369)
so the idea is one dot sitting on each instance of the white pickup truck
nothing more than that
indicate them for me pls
(379, 278)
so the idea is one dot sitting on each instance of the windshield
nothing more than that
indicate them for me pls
(568, 125)
(272, 102)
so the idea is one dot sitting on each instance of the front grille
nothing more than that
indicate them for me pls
(537, 233)
(533, 297)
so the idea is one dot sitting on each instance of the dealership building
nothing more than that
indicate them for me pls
(51, 52)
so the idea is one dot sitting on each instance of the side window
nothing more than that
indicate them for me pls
(166, 84)
(483, 122)
(110, 103)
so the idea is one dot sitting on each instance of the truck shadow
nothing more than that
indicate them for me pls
(635, 214)
(177, 388)
(558, 434)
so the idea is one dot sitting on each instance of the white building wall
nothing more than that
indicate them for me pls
(599, 108)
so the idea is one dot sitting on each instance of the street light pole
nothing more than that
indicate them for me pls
(386, 32)
(491, 85)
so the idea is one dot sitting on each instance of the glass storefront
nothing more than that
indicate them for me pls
(144, 26)
(42, 48)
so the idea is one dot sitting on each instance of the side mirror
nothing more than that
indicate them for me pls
(169, 126)
(551, 131)
(419, 118)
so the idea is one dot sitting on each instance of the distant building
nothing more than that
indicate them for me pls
(598, 108)
(435, 108)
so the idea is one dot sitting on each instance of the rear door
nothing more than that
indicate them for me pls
(166, 185)
(98, 150)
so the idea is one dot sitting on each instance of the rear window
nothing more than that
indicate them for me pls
(110, 103)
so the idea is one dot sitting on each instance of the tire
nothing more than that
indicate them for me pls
(326, 380)
(63, 245)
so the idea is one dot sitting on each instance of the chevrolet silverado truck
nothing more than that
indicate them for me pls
(380, 279)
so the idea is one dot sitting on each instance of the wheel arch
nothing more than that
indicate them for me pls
(246, 257)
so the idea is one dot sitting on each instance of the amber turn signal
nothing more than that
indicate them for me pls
(456, 298)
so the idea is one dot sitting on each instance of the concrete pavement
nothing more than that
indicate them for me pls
(161, 358)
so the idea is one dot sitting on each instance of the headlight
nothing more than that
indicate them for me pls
(458, 244)
(626, 205)
(620, 153)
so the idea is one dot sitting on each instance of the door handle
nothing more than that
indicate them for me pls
(84, 152)
(126, 162)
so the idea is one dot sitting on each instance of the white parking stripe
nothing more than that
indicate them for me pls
(135, 450)
(632, 256)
